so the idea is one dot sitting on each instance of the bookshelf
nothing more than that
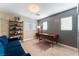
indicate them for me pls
(16, 30)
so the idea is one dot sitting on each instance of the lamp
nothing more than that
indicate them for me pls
(38, 27)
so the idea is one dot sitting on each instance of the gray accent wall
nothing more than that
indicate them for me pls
(54, 25)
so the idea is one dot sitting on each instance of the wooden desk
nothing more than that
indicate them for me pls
(52, 37)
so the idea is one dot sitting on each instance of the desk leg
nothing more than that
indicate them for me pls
(40, 39)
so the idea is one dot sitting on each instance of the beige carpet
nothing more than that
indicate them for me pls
(42, 48)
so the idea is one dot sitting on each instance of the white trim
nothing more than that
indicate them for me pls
(69, 47)
(27, 39)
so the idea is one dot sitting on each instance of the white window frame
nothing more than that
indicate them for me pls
(45, 25)
(66, 23)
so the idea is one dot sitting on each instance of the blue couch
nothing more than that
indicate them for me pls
(1, 49)
(11, 48)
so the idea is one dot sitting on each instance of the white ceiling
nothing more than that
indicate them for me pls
(46, 9)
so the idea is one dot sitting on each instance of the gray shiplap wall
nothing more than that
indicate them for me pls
(66, 37)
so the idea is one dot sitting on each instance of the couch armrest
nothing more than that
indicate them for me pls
(1, 49)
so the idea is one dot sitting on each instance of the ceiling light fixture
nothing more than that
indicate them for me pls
(34, 8)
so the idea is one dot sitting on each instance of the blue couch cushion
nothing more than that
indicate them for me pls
(1, 49)
(14, 43)
(15, 51)
(4, 40)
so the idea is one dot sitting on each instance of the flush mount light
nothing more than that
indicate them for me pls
(34, 8)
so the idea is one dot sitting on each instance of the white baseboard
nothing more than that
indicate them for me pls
(69, 47)
(27, 39)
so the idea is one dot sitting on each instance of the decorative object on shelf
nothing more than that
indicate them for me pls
(17, 18)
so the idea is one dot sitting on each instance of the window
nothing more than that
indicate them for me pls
(45, 25)
(30, 26)
(66, 23)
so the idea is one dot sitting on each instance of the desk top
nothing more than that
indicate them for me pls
(53, 34)
(44, 33)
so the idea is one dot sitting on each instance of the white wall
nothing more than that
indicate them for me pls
(28, 32)
(4, 18)
(0, 26)
(4, 26)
